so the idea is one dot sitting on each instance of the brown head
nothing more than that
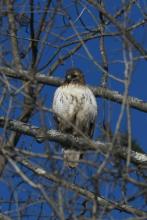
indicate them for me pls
(74, 75)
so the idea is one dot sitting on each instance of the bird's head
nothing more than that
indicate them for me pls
(74, 75)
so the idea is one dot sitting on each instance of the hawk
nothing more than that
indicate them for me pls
(75, 111)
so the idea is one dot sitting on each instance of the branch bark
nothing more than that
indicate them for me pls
(78, 143)
(112, 95)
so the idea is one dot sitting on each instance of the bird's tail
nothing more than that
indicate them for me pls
(71, 158)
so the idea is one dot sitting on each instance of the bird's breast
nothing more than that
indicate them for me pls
(69, 99)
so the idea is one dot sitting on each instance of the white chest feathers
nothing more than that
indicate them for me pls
(75, 99)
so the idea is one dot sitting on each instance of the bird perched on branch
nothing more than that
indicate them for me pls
(75, 111)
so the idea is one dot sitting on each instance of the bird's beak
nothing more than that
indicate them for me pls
(75, 79)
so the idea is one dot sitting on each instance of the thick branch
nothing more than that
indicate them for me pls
(54, 81)
(13, 32)
(4, 217)
(78, 143)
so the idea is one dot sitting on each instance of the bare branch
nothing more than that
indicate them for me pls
(78, 143)
(98, 91)
(103, 202)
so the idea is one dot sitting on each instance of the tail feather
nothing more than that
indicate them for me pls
(71, 158)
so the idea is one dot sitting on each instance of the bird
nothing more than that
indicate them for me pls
(75, 111)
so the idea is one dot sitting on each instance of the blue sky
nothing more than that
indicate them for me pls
(59, 32)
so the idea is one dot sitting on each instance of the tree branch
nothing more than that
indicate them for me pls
(78, 143)
(13, 32)
(120, 27)
(112, 95)
(90, 195)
